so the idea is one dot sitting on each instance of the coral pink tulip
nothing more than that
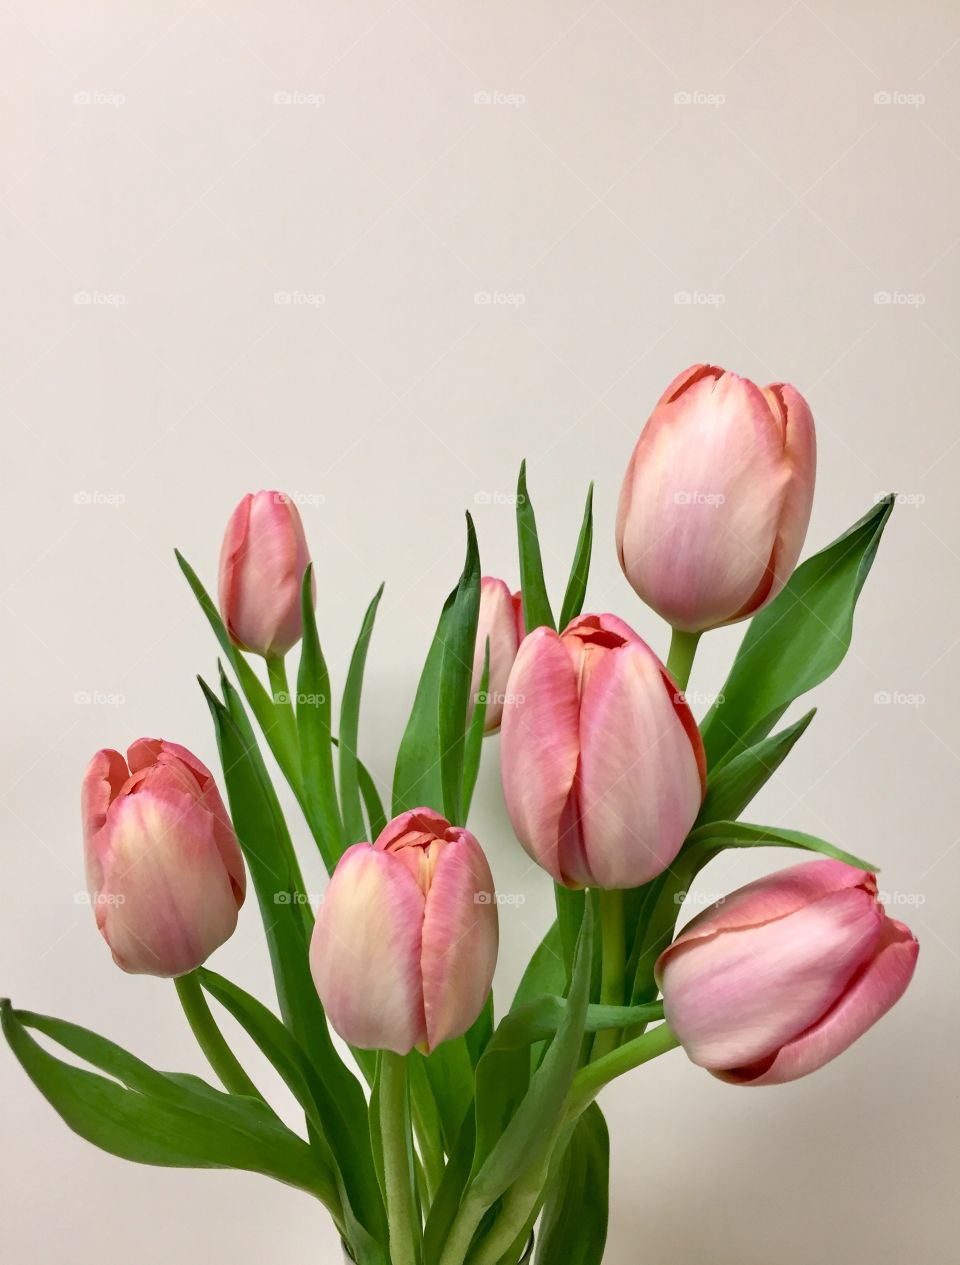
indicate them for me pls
(783, 975)
(602, 764)
(716, 499)
(164, 868)
(262, 561)
(405, 941)
(500, 620)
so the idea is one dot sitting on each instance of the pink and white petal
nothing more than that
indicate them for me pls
(460, 939)
(496, 622)
(773, 896)
(738, 997)
(105, 777)
(870, 994)
(423, 821)
(365, 952)
(800, 453)
(166, 902)
(540, 744)
(707, 486)
(639, 781)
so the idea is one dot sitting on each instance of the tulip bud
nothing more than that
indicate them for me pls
(164, 869)
(783, 975)
(500, 620)
(716, 499)
(602, 764)
(405, 942)
(262, 561)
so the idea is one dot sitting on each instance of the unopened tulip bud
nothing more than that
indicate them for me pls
(602, 764)
(783, 975)
(500, 620)
(262, 561)
(164, 869)
(716, 499)
(405, 942)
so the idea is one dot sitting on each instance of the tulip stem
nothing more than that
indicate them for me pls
(211, 1040)
(591, 1079)
(683, 647)
(402, 1222)
(613, 933)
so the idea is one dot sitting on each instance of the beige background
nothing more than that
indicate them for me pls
(777, 216)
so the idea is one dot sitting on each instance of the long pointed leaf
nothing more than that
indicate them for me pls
(580, 571)
(533, 587)
(350, 799)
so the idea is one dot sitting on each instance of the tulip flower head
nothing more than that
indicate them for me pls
(783, 975)
(405, 942)
(164, 869)
(602, 764)
(716, 499)
(500, 620)
(262, 561)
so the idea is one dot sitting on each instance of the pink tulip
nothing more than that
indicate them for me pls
(405, 941)
(783, 975)
(164, 868)
(716, 499)
(500, 620)
(262, 561)
(603, 768)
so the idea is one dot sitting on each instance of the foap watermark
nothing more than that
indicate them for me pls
(292, 96)
(100, 500)
(283, 697)
(712, 500)
(902, 900)
(101, 898)
(699, 698)
(300, 499)
(899, 698)
(499, 498)
(499, 298)
(500, 898)
(99, 698)
(913, 500)
(499, 697)
(898, 298)
(512, 99)
(111, 99)
(698, 298)
(698, 900)
(895, 97)
(99, 298)
(713, 100)
(297, 898)
(299, 298)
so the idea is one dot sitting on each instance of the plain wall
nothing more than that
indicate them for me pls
(793, 214)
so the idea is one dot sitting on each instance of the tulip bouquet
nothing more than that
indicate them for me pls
(441, 1131)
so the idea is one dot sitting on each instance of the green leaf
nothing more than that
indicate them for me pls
(796, 642)
(416, 778)
(529, 1134)
(732, 786)
(545, 971)
(717, 835)
(151, 1117)
(573, 1228)
(349, 728)
(533, 587)
(580, 571)
(376, 817)
(313, 728)
(474, 747)
(259, 698)
(449, 1071)
(456, 673)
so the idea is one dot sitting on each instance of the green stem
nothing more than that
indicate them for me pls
(683, 647)
(591, 1079)
(219, 1055)
(613, 932)
(397, 1177)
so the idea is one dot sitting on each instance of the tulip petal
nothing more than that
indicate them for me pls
(496, 621)
(773, 896)
(460, 937)
(102, 782)
(365, 952)
(166, 901)
(639, 783)
(738, 996)
(540, 744)
(800, 452)
(702, 499)
(878, 986)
